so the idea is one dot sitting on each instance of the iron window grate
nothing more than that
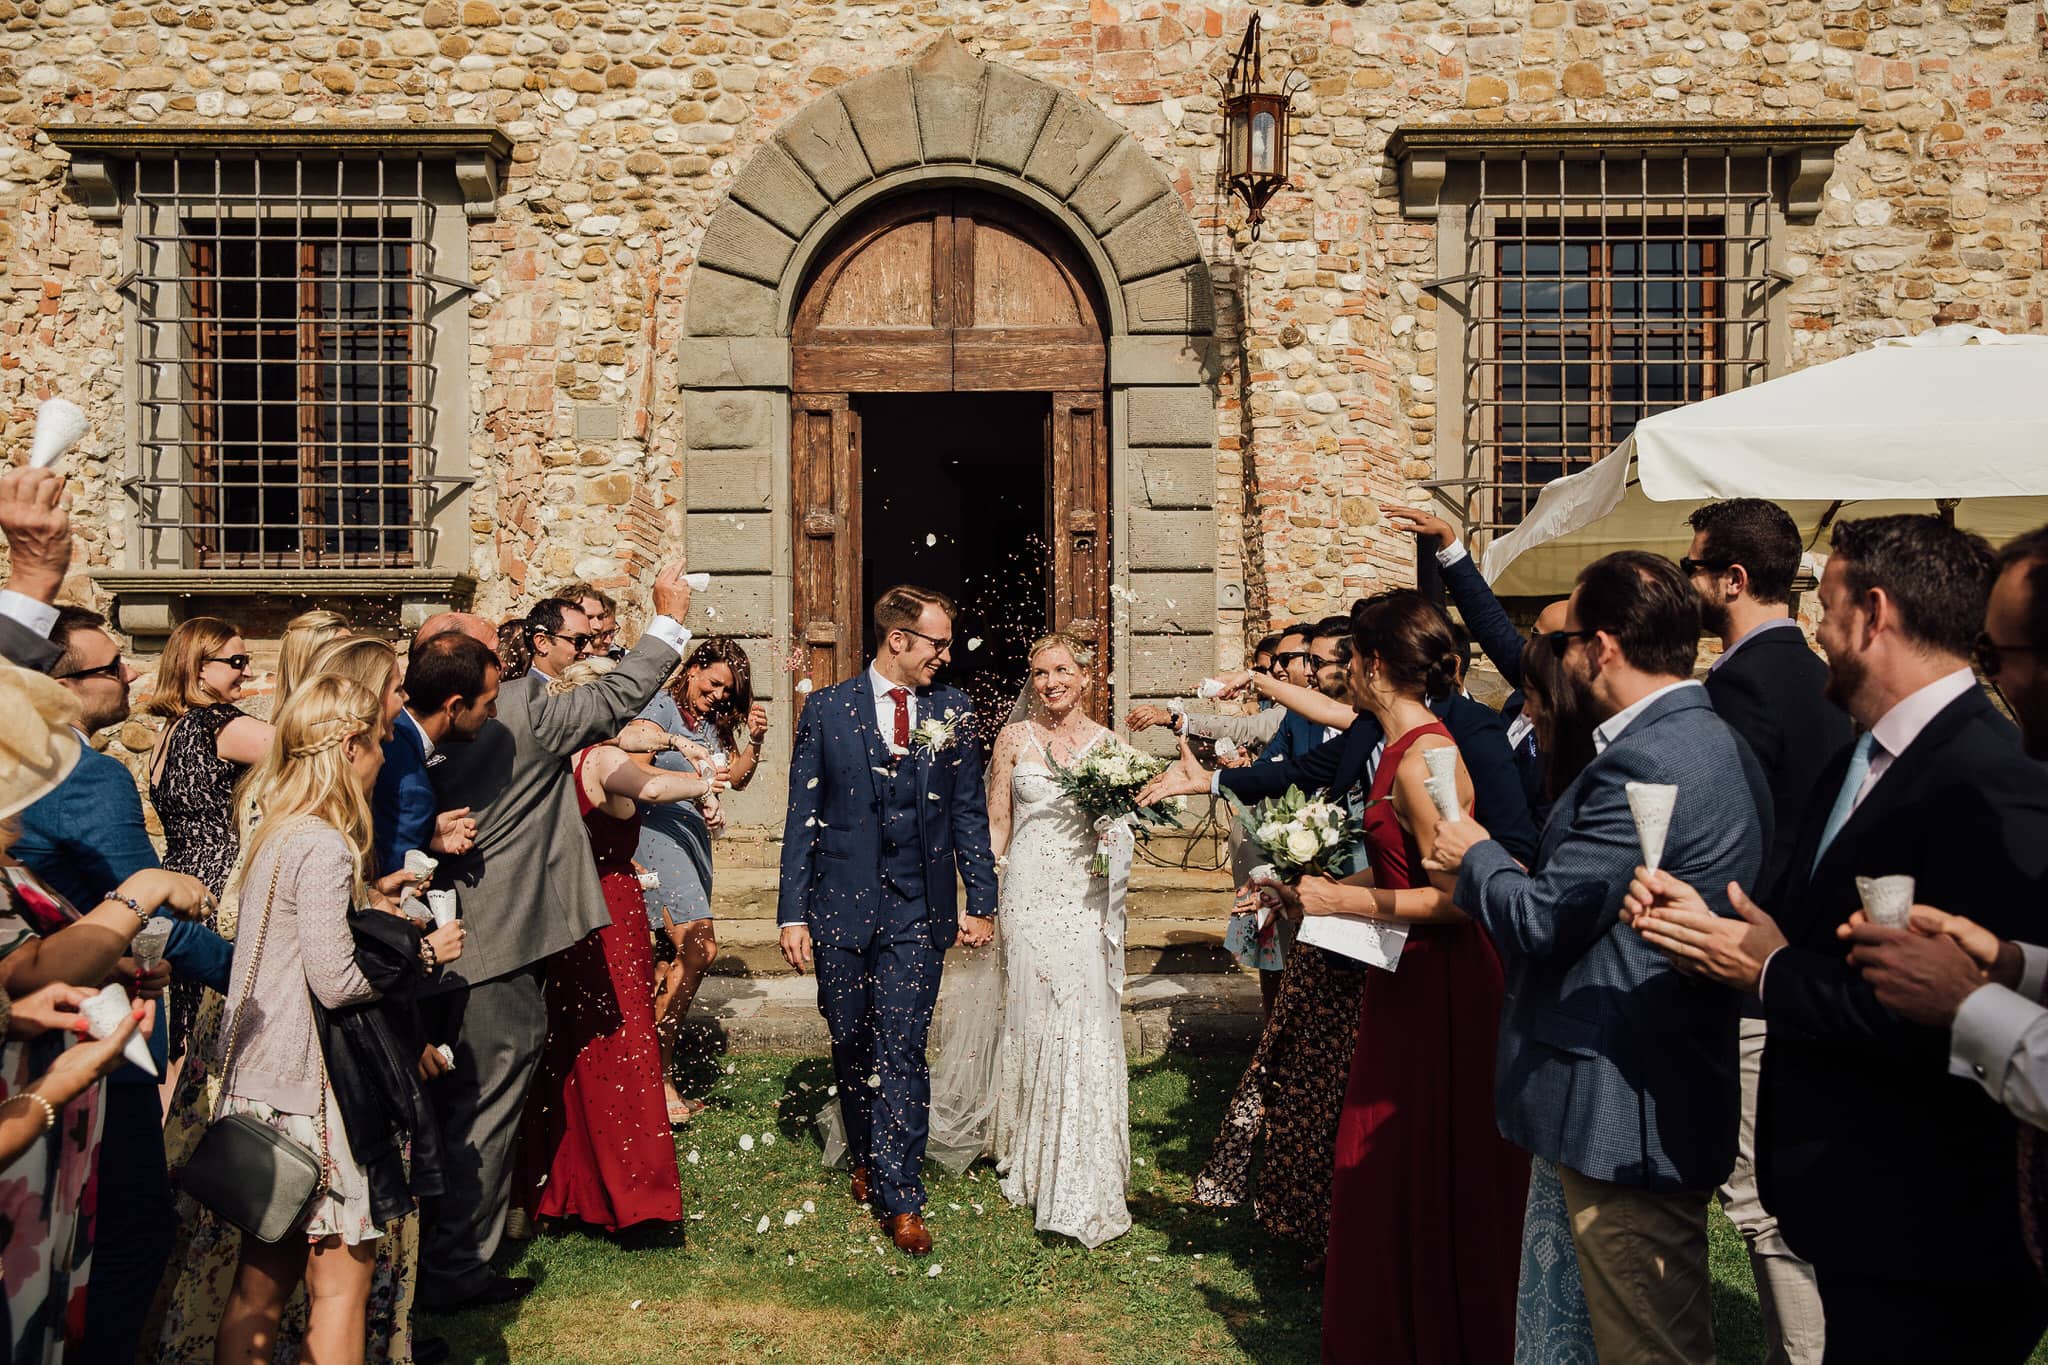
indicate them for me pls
(1604, 290)
(285, 376)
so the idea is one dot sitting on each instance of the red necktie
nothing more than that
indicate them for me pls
(901, 697)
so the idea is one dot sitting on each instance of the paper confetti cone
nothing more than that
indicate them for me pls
(1210, 689)
(1886, 900)
(1443, 790)
(1651, 803)
(421, 864)
(103, 1015)
(60, 425)
(442, 904)
(147, 947)
(697, 581)
(1442, 761)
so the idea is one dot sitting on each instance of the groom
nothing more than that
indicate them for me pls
(885, 803)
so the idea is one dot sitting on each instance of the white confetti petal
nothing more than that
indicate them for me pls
(934, 1272)
(954, 1207)
(696, 1217)
(875, 1081)
(810, 784)
(791, 1218)
(693, 1158)
(974, 643)
(746, 1142)
(636, 1303)
(803, 685)
(809, 1207)
(762, 1226)
(831, 1089)
(930, 539)
(767, 1139)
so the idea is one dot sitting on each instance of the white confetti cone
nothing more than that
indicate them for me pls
(421, 864)
(697, 581)
(1886, 900)
(1226, 748)
(447, 1053)
(1443, 790)
(1442, 761)
(415, 909)
(1210, 689)
(103, 1015)
(442, 905)
(1265, 876)
(147, 947)
(60, 425)
(1651, 803)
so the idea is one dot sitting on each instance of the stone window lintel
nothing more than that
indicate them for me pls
(1423, 151)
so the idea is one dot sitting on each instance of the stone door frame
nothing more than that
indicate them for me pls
(949, 119)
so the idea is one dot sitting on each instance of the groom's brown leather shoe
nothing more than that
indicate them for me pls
(860, 1185)
(908, 1231)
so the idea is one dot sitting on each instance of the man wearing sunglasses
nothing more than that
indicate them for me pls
(559, 633)
(82, 838)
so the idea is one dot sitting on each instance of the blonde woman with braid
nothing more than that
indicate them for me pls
(304, 870)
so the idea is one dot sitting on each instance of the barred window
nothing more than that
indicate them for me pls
(1599, 288)
(286, 381)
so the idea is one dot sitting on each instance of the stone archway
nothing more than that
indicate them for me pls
(950, 119)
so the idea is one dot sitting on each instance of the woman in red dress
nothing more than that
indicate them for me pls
(1426, 1200)
(595, 1144)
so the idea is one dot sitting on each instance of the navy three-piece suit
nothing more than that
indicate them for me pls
(870, 849)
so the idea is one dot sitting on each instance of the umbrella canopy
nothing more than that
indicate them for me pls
(1957, 413)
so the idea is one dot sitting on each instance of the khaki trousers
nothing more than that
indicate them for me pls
(1643, 1260)
(1795, 1330)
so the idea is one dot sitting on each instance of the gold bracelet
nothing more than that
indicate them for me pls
(49, 1110)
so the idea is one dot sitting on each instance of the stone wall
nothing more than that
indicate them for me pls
(630, 123)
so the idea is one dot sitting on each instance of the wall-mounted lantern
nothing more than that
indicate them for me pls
(1254, 129)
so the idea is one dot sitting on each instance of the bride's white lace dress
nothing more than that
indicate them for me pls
(1062, 1122)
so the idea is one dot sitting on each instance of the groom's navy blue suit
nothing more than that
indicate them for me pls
(869, 853)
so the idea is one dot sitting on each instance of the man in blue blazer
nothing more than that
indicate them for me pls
(1613, 1065)
(451, 689)
(885, 808)
(84, 839)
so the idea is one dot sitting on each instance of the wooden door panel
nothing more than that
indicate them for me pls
(860, 363)
(825, 463)
(1077, 493)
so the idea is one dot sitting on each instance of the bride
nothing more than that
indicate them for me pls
(1027, 1044)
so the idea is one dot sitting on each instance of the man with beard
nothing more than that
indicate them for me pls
(1858, 1106)
(84, 838)
(1771, 687)
(1612, 1066)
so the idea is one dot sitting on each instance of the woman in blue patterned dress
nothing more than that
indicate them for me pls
(710, 713)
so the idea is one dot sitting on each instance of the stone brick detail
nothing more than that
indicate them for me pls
(1173, 603)
(728, 483)
(1170, 665)
(1171, 417)
(877, 105)
(727, 420)
(1168, 541)
(722, 543)
(1177, 478)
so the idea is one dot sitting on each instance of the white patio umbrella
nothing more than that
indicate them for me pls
(1957, 413)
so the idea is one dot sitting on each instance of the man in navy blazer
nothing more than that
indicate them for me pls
(1613, 1065)
(84, 839)
(885, 809)
(451, 690)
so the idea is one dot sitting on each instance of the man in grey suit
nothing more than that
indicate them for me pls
(38, 530)
(528, 889)
(1613, 1065)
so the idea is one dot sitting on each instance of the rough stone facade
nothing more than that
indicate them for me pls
(637, 127)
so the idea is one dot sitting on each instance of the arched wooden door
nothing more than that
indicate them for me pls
(950, 291)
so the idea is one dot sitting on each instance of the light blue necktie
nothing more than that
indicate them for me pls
(1845, 800)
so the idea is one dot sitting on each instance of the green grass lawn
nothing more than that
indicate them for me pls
(1184, 1285)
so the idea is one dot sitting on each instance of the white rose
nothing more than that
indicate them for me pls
(1302, 845)
(1271, 833)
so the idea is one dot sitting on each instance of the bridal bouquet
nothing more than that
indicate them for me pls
(1300, 837)
(1105, 781)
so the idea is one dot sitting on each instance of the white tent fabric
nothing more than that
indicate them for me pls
(1954, 413)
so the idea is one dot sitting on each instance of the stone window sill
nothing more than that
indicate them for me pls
(149, 603)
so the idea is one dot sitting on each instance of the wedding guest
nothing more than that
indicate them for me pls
(308, 853)
(1425, 1197)
(1611, 1065)
(604, 618)
(451, 689)
(1936, 787)
(1770, 687)
(83, 837)
(304, 636)
(709, 704)
(37, 527)
(1263, 651)
(369, 661)
(1493, 630)
(1289, 1101)
(46, 941)
(200, 756)
(512, 650)
(595, 1145)
(528, 888)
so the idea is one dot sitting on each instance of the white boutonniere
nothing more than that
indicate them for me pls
(934, 733)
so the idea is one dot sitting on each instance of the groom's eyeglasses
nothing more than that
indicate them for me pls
(934, 641)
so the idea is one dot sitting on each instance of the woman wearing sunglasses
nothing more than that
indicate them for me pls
(200, 756)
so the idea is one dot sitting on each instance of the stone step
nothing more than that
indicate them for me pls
(1152, 947)
(746, 891)
(1197, 1012)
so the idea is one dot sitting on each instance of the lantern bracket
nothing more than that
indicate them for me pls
(1255, 131)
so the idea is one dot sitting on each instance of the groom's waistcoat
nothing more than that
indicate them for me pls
(902, 843)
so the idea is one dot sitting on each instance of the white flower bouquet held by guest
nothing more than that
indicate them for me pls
(1300, 837)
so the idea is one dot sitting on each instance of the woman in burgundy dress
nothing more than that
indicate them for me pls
(595, 1144)
(1426, 1199)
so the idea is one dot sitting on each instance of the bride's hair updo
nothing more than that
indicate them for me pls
(1084, 657)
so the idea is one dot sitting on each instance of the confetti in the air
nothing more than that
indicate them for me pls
(930, 539)
(803, 685)
(974, 643)
(874, 1081)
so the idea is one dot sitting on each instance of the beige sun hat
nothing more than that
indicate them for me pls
(38, 746)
